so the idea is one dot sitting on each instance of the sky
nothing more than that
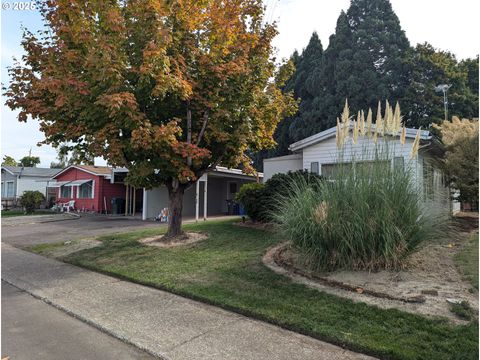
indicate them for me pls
(447, 25)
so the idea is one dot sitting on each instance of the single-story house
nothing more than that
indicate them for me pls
(212, 194)
(319, 154)
(89, 186)
(17, 179)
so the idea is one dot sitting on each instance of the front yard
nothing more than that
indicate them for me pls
(227, 270)
(12, 213)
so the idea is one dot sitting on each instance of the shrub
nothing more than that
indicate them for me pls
(31, 200)
(370, 214)
(279, 184)
(368, 217)
(251, 196)
(260, 199)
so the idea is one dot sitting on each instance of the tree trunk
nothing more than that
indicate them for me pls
(175, 195)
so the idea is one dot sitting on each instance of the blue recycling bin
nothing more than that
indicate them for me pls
(241, 210)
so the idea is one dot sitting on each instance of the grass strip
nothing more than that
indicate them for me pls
(226, 270)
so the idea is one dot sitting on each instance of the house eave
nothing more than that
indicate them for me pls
(326, 134)
(81, 169)
(11, 173)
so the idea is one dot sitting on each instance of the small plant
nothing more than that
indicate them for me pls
(252, 197)
(463, 310)
(31, 200)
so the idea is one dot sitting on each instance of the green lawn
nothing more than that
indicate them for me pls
(12, 213)
(467, 260)
(226, 270)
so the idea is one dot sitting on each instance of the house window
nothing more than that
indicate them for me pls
(314, 168)
(330, 171)
(66, 191)
(3, 189)
(360, 168)
(399, 163)
(233, 188)
(10, 190)
(85, 191)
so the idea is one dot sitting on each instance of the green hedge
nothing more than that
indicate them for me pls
(260, 200)
(252, 197)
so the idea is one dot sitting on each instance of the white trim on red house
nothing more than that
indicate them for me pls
(82, 169)
(79, 183)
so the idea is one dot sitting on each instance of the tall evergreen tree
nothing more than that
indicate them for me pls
(307, 65)
(304, 84)
(370, 45)
(369, 59)
(364, 62)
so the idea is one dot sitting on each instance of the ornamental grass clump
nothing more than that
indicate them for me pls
(368, 214)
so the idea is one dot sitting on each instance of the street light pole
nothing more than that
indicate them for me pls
(444, 88)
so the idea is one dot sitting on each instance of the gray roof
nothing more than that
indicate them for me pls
(31, 171)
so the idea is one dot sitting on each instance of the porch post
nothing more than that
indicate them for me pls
(197, 193)
(134, 205)
(205, 197)
(144, 208)
(126, 200)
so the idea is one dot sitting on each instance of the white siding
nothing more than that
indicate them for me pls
(31, 184)
(281, 165)
(326, 152)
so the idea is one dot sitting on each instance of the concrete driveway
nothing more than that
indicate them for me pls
(24, 234)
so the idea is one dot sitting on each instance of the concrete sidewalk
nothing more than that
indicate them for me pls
(32, 329)
(163, 324)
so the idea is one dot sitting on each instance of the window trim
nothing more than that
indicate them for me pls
(7, 195)
(93, 190)
(71, 192)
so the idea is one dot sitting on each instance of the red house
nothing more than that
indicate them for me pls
(89, 186)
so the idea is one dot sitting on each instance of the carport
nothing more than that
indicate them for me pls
(210, 196)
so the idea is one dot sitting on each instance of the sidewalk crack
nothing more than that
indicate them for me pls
(201, 334)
